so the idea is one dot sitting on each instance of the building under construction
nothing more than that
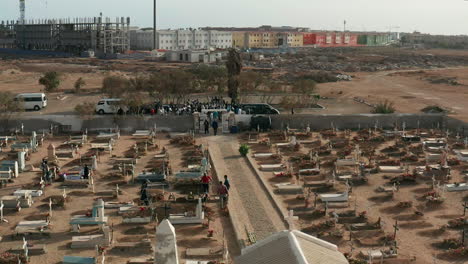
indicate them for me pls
(98, 34)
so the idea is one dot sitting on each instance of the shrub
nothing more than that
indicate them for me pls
(244, 150)
(79, 84)
(433, 109)
(50, 81)
(385, 107)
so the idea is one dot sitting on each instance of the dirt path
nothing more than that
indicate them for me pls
(254, 208)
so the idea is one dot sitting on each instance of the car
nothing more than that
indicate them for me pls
(259, 109)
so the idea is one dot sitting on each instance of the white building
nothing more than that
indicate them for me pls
(182, 39)
(291, 247)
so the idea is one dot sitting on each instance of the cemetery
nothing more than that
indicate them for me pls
(370, 195)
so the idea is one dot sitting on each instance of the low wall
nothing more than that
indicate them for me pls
(75, 123)
(185, 123)
(357, 120)
(456, 126)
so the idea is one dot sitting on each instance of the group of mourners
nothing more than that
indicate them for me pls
(222, 188)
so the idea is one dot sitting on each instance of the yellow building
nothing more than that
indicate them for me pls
(261, 39)
(266, 39)
(295, 39)
(238, 39)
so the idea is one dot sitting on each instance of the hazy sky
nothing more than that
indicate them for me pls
(430, 16)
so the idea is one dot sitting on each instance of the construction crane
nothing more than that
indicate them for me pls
(22, 11)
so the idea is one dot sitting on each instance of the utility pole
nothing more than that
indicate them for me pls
(155, 38)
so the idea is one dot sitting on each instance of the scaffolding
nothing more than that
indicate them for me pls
(98, 34)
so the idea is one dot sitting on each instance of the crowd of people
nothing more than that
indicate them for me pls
(193, 106)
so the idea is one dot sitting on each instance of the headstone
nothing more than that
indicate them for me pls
(34, 141)
(1, 212)
(94, 166)
(166, 244)
(21, 160)
(50, 207)
(51, 153)
(290, 219)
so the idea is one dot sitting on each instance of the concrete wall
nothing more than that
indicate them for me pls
(74, 123)
(356, 120)
(456, 126)
(185, 123)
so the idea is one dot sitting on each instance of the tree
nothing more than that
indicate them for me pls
(210, 76)
(50, 81)
(173, 85)
(114, 86)
(79, 84)
(234, 68)
(304, 87)
(250, 81)
(85, 110)
(9, 107)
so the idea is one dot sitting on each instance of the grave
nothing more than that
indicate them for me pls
(12, 165)
(462, 155)
(166, 244)
(143, 134)
(24, 200)
(263, 155)
(335, 197)
(27, 249)
(456, 187)
(108, 135)
(97, 217)
(6, 174)
(177, 219)
(102, 146)
(33, 193)
(288, 188)
(151, 176)
(32, 227)
(92, 241)
(391, 169)
(272, 167)
(11, 202)
(194, 171)
(116, 205)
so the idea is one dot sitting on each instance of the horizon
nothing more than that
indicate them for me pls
(360, 15)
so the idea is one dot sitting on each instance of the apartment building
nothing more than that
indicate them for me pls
(182, 39)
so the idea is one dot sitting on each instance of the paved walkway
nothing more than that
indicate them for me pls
(254, 209)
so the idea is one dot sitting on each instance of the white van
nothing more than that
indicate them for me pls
(110, 106)
(32, 101)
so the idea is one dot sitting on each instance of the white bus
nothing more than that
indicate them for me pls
(32, 101)
(111, 106)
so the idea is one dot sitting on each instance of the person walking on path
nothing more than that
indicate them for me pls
(207, 126)
(227, 183)
(223, 194)
(205, 180)
(86, 172)
(215, 127)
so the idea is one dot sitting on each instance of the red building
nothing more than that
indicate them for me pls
(330, 39)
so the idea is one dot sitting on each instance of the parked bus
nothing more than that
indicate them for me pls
(32, 101)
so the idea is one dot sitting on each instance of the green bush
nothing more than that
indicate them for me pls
(50, 81)
(385, 107)
(244, 150)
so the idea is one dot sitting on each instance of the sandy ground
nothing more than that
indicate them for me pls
(417, 235)
(409, 92)
(58, 244)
